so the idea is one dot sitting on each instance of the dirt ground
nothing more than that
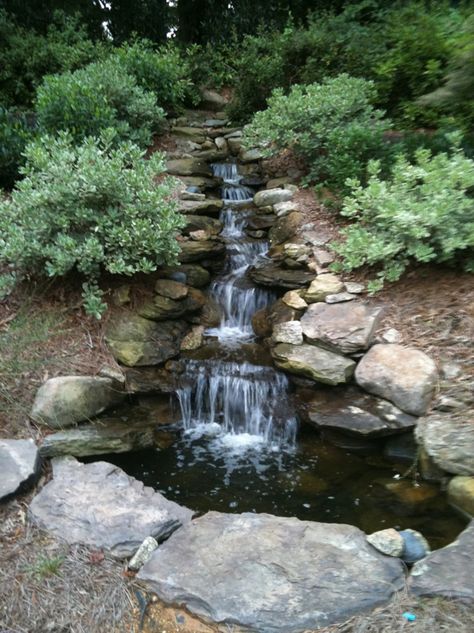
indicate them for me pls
(49, 587)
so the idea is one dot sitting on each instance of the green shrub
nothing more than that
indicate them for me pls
(26, 56)
(213, 65)
(423, 213)
(88, 208)
(332, 125)
(16, 130)
(164, 72)
(93, 98)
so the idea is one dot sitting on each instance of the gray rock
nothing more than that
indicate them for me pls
(354, 288)
(340, 297)
(415, 546)
(193, 274)
(162, 308)
(448, 441)
(212, 100)
(288, 332)
(294, 300)
(352, 411)
(209, 206)
(100, 506)
(391, 336)
(346, 327)
(313, 362)
(285, 227)
(171, 289)
(103, 436)
(448, 571)
(270, 573)
(389, 542)
(284, 208)
(19, 466)
(143, 553)
(194, 134)
(66, 400)
(269, 274)
(196, 251)
(188, 167)
(405, 376)
(250, 155)
(269, 197)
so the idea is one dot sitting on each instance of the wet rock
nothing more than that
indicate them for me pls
(211, 226)
(353, 411)
(313, 362)
(171, 289)
(389, 542)
(261, 323)
(196, 251)
(136, 341)
(66, 400)
(279, 312)
(415, 546)
(143, 553)
(461, 494)
(194, 134)
(102, 437)
(235, 145)
(412, 494)
(188, 167)
(322, 286)
(261, 222)
(194, 275)
(288, 332)
(100, 506)
(269, 197)
(346, 327)
(294, 300)
(211, 313)
(19, 466)
(405, 376)
(209, 565)
(401, 448)
(162, 308)
(448, 571)
(285, 227)
(193, 339)
(201, 182)
(154, 380)
(448, 440)
(208, 206)
(269, 274)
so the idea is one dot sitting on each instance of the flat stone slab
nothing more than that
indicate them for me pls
(345, 327)
(350, 410)
(19, 465)
(99, 505)
(448, 571)
(269, 274)
(271, 574)
(449, 441)
(313, 362)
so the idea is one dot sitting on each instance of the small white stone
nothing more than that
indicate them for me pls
(354, 288)
(340, 297)
(143, 553)
(391, 336)
(389, 542)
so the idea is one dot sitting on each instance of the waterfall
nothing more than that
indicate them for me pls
(237, 405)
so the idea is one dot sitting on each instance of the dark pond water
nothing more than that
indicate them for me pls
(315, 481)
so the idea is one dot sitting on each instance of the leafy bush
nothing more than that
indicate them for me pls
(165, 72)
(88, 208)
(16, 129)
(423, 213)
(332, 125)
(213, 65)
(93, 98)
(26, 56)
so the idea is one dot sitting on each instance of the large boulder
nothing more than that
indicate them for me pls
(448, 571)
(448, 440)
(100, 506)
(135, 340)
(67, 400)
(188, 167)
(313, 362)
(269, 197)
(405, 376)
(352, 411)
(272, 574)
(269, 274)
(99, 438)
(285, 227)
(162, 308)
(195, 251)
(345, 327)
(19, 466)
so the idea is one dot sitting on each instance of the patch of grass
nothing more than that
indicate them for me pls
(45, 566)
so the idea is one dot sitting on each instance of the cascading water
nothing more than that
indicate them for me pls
(236, 403)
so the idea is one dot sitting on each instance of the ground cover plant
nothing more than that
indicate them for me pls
(96, 208)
